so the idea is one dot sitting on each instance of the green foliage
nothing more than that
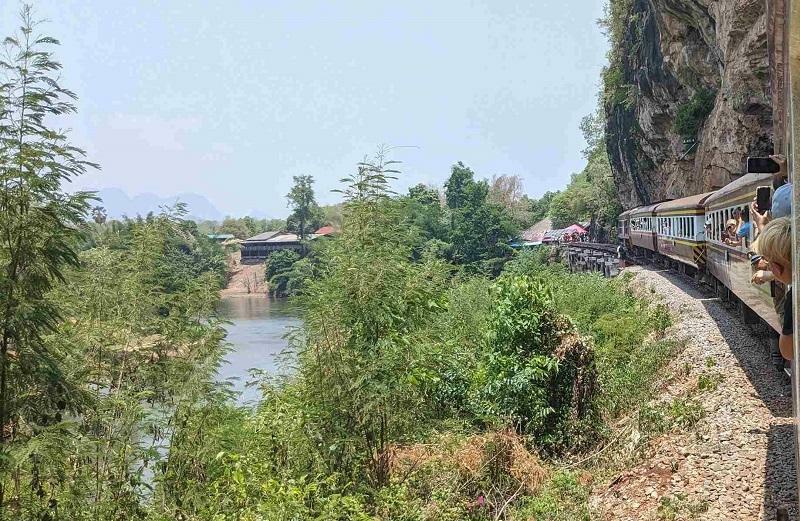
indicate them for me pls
(306, 214)
(540, 208)
(691, 115)
(41, 225)
(480, 230)
(616, 23)
(709, 381)
(279, 266)
(360, 359)
(423, 212)
(679, 506)
(535, 375)
(458, 185)
(563, 497)
(245, 227)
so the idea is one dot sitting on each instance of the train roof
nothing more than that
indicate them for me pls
(685, 203)
(645, 210)
(742, 187)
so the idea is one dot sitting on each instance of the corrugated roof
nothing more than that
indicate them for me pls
(263, 236)
(287, 237)
(325, 230)
(537, 231)
(574, 228)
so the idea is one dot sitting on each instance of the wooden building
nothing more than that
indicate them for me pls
(258, 248)
(255, 248)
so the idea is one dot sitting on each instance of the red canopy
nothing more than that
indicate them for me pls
(575, 228)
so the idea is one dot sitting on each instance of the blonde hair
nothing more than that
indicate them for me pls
(775, 241)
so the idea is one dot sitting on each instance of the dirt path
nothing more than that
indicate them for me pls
(246, 279)
(737, 463)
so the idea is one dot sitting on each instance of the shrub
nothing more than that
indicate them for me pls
(565, 496)
(691, 115)
(278, 270)
(539, 374)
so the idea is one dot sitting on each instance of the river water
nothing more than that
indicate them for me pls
(256, 333)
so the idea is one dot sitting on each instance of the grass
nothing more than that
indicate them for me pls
(672, 508)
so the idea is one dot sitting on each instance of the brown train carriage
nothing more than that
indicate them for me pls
(679, 229)
(730, 264)
(642, 228)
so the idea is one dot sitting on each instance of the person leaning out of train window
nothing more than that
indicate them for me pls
(743, 231)
(729, 233)
(775, 246)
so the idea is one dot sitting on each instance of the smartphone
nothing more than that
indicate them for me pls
(762, 165)
(763, 198)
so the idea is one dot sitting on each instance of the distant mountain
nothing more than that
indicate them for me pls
(118, 203)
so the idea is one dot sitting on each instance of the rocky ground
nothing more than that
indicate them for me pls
(737, 463)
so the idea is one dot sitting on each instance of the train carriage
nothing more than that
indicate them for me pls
(642, 229)
(729, 262)
(680, 232)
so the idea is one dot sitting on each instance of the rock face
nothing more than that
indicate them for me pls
(671, 50)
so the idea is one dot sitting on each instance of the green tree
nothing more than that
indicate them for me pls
(40, 226)
(480, 230)
(461, 178)
(306, 214)
(539, 208)
(235, 227)
(423, 212)
(279, 271)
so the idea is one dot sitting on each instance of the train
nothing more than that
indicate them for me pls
(687, 234)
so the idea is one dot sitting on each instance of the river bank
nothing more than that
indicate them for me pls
(244, 279)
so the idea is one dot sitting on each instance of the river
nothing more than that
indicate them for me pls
(257, 329)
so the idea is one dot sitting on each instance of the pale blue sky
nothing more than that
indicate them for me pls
(230, 99)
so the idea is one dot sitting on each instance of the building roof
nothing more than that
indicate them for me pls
(574, 228)
(261, 237)
(325, 230)
(552, 235)
(536, 232)
(220, 236)
(287, 237)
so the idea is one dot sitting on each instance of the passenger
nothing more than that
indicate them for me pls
(775, 245)
(743, 231)
(729, 234)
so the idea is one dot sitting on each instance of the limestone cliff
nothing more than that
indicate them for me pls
(670, 50)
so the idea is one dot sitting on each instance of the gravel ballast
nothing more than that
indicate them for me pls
(737, 462)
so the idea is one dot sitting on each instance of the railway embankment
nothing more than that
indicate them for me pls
(736, 462)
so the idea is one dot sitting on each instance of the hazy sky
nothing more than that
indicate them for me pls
(230, 99)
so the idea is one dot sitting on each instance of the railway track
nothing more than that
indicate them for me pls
(737, 463)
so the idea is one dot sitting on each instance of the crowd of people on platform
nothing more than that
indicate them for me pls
(575, 237)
